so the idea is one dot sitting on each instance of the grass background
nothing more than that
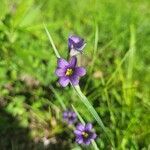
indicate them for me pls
(117, 81)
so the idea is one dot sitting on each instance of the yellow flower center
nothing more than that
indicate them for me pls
(69, 72)
(85, 134)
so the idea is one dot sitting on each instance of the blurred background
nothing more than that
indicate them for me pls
(117, 82)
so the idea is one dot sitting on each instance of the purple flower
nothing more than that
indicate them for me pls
(84, 134)
(69, 116)
(75, 44)
(69, 72)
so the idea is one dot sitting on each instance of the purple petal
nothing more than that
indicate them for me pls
(80, 127)
(74, 38)
(81, 47)
(74, 79)
(69, 113)
(70, 43)
(62, 63)
(93, 136)
(79, 140)
(64, 81)
(78, 45)
(87, 142)
(78, 132)
(80, 71)
(88, 127)
(73, 61)
(65, 114)
(60, 72)
(74, 114)
(70, 121)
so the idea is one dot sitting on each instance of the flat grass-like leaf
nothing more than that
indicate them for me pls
(79, 116)
(58, 98)
(94, 55)
(52, 42)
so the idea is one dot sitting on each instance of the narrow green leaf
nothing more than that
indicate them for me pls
(131, 53)
(89, 107)
(52, 42)
(130, 66)
(58, 98)
(117, 69)
(94, 56)
(80, 118)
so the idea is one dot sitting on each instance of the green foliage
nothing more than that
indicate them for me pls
(116, 58)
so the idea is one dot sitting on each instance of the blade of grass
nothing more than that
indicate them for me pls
(90, 107)
(52, 42)
(80, 118)
(131, 60)
(129, 53)
(120, 64)
(132, 53)
(58, 97)
(94, 56)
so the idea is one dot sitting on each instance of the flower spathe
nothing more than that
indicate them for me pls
(84, 133)
(68, 71)
(69, 116)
